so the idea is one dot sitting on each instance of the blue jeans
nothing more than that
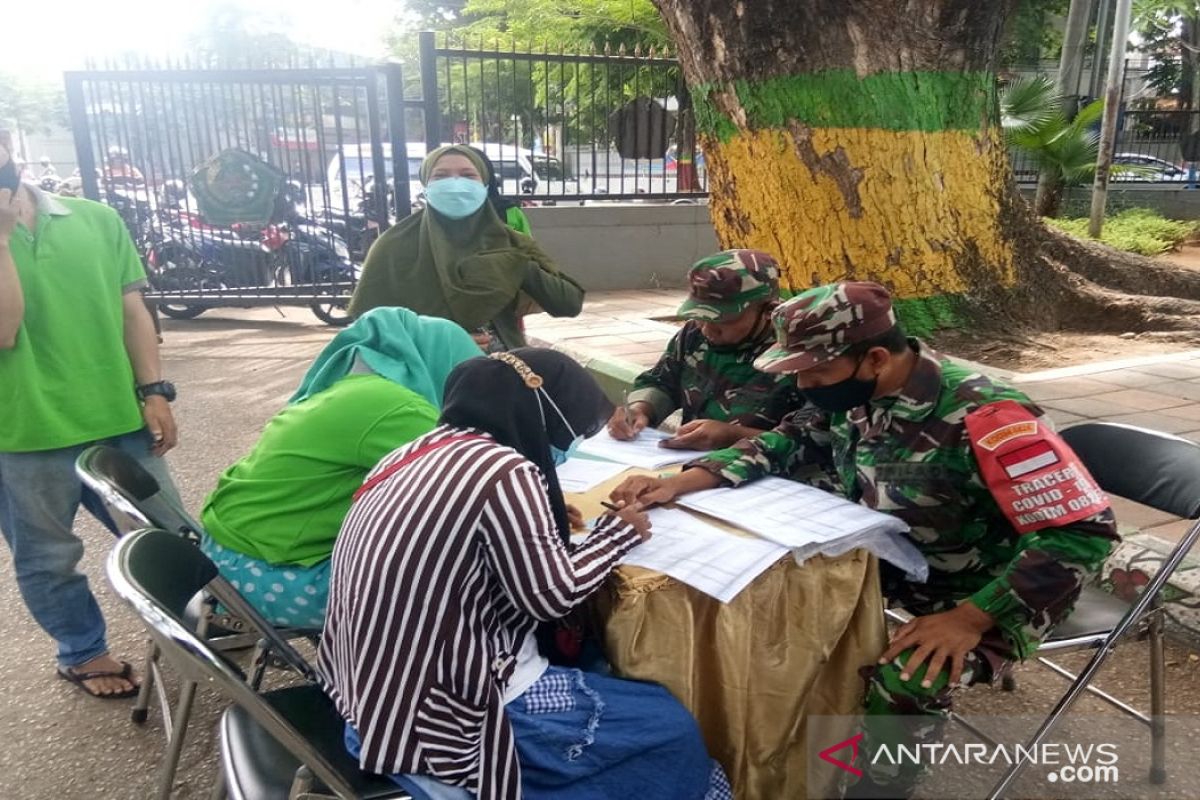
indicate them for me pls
(39, 497)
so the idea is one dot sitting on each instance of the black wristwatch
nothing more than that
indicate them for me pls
(164, 389)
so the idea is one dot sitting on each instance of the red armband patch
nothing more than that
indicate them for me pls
(1035, 476)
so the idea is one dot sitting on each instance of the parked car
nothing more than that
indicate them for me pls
(1141, 167)
(355, 163)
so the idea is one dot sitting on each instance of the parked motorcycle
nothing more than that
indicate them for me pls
(190, 256)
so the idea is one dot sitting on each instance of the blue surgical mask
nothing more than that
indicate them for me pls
(456, 198)
(560, 456)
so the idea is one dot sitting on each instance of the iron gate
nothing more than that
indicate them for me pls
(558, 127)
(140, 135)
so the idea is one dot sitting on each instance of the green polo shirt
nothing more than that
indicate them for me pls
(68, 380)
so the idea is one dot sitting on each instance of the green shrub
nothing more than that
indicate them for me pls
(1138, 230)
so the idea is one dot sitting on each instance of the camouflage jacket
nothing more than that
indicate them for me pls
(909, 455)
(718, 383)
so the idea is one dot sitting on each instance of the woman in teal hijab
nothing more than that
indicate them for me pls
(272, 520)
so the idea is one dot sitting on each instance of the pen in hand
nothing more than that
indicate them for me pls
(628, 413)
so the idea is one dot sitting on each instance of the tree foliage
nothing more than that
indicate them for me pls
(31, 104)
(540, 93)
(1170, 34)
(1033, 33)
(572, 23)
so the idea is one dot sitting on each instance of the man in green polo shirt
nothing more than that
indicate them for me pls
(79, 365)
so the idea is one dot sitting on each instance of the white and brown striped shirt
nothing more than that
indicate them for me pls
(440, 572)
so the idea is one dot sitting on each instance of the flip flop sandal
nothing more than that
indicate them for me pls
(78, 678)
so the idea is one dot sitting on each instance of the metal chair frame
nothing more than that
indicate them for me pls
(1097, 444)
(135, 500)
(133, 569)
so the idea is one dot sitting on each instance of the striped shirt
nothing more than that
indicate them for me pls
(440, 572)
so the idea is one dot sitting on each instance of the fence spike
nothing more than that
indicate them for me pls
(621, 49)
(637, 50)
(607, 47)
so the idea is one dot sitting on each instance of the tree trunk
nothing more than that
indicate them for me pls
(860, 140)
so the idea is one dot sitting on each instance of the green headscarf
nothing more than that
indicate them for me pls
(465, 270)
(413, 351)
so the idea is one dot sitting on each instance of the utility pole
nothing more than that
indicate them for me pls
(1066, 86)
(1070, 64)
(1112, 108)
(1103, 29)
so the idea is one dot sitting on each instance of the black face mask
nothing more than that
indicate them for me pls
(843, 395)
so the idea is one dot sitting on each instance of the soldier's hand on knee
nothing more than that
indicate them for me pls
(939, 641)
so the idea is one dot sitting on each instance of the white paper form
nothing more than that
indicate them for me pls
(692, 551)
(810, 521)
(581, 475)
(642, 451)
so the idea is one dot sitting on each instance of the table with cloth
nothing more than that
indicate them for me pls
(752, 671)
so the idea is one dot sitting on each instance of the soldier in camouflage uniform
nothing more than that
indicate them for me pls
(708, 369)
(892, 427)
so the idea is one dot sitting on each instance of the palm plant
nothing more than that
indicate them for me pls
(1064, 150)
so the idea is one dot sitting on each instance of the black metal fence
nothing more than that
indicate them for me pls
(559, 127)
(141, 134)
(566, 127)
(1148, 149)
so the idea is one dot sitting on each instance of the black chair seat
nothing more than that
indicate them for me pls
(259, 768)
(1096, 613)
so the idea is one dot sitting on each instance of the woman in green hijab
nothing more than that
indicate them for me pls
(457, 259)
(271, 523)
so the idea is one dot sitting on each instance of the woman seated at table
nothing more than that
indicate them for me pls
(458, 260)
(453, 552)
(271, 523)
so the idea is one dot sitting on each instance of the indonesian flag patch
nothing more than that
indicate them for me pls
(1028, 459)
(1036, 478)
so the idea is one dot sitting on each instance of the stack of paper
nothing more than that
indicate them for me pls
(810, 521)
(642, 451)
(690, 550)
(581, 475)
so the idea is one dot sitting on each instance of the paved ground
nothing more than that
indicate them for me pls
(234, 369)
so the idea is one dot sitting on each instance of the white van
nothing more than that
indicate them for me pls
(355, 162)
(525, 172)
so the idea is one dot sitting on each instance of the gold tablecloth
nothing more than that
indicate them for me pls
(751, 671)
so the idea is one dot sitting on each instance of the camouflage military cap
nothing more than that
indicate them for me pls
(821, 324)
(725, 284)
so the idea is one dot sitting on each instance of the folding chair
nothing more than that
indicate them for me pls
(135, 500)
(1156, 470)
(131, 494)
(280, 744)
